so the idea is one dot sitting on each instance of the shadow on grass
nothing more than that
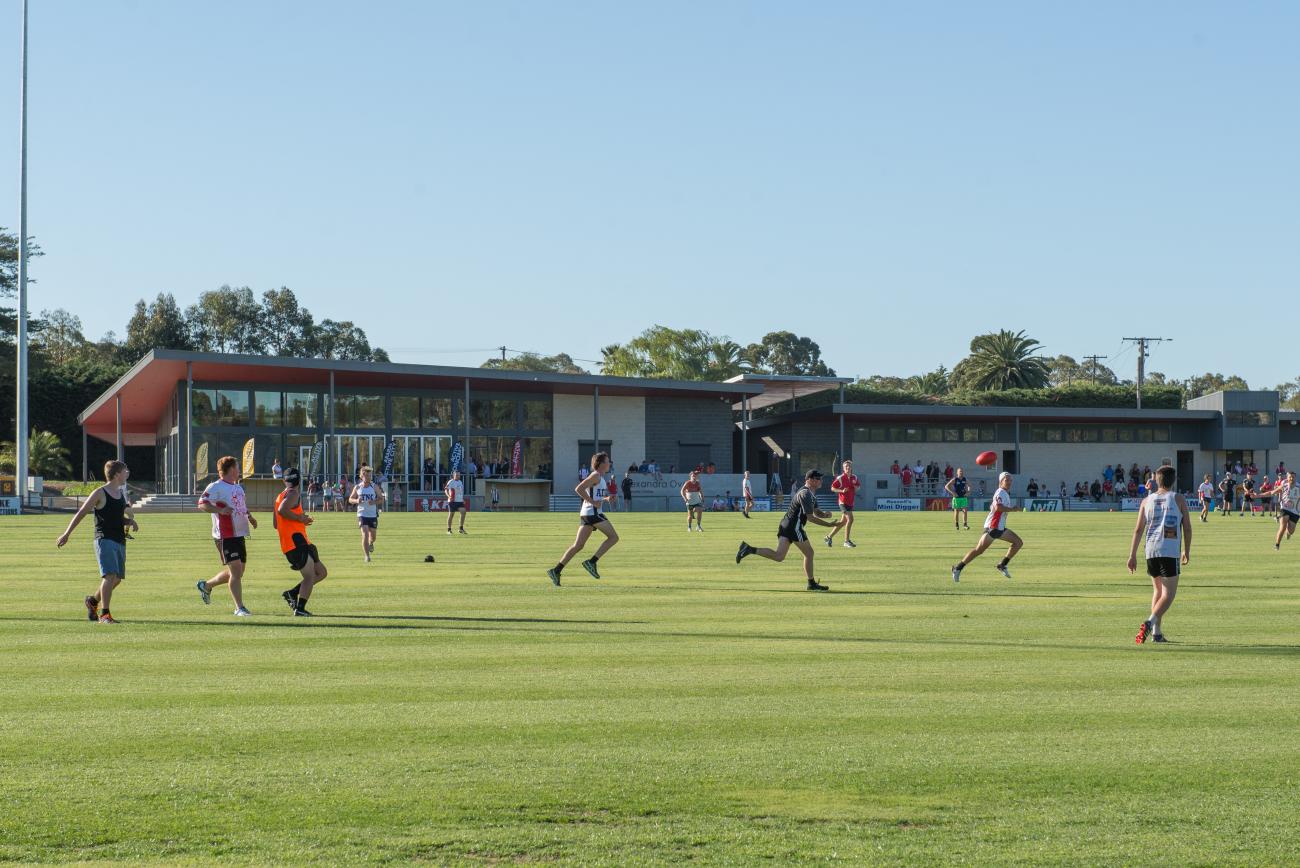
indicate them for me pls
(882, 593)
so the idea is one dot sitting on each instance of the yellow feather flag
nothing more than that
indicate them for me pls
(201, 461)
(248, 457)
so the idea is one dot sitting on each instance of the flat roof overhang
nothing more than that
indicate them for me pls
(779, 388)
(147, 387)
(941, 413)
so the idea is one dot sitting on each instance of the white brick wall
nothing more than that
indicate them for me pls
(622, 423)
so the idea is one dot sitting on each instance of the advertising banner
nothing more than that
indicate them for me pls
(1043, 504)
(938, 504)
(247, 468)
(898, 504)
(1130, 504)
(428, 503)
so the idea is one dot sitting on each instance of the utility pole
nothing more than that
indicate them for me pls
(503, 353)
(1094, 360)
(1142, 359)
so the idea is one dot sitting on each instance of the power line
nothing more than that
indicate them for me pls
(1094, 360)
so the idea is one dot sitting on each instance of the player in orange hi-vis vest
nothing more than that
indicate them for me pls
(291, 524)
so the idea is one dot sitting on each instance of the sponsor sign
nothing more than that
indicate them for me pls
(317, 458)
(1043, 504)
(1130, 504)
(761, 504)
(898, 504)
(711, 484)
(249, 447)
(457, 455)
(8, 506)
(429, 503)
(938, 504)
(390, 452)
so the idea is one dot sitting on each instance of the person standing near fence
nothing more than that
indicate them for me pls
(627, 491)
(112, 516)
(693, 494)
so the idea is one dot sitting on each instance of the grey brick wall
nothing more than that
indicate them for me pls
(673, 421)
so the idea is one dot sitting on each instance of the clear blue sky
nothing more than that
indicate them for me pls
(888, 178)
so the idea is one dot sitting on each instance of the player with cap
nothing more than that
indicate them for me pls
(291, 524)
(803, 509)
(995, 527)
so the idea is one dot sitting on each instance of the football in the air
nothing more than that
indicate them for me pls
(986, 459)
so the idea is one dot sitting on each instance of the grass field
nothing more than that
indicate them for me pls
(682, 708)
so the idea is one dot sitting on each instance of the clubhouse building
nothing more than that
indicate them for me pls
(535, 431)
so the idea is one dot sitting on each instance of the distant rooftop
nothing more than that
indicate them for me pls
(779, 388)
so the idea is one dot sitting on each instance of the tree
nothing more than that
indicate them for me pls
(931, 385)
(1289, 394)
(787, 354)
(881, 382)
(1002, 360)
(1206, 384)
(157, 326)
(561, 363)
(675, 354)
(46, 456)
(288, 329)
(59, 338)
(344, 340)
(9, 280)
(226, 320)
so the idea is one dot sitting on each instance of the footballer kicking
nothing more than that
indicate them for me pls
(803, 509)
(596, 492)
(995, 528)
(291, 524)
(1206, 492)
(110, 507)
(845, 485)
(224, 500)
(1163, 521)
(366, 497)
(958, 489)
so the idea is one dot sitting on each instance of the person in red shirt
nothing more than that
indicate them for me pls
(846, 485)
(907, 480)
(895, 469)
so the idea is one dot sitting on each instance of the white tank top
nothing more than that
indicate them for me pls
(598, 492)
(1288, 497)
(1164, 525)
(367, 503)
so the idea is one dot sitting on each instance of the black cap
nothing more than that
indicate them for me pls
(292, 476)
(813, 474)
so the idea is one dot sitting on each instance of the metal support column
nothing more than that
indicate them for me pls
(843, 454)
(334, 441)
(189, 430)
(744, 433)
(85, 459)
(595, 416)
(1017, 445)
(119, 427)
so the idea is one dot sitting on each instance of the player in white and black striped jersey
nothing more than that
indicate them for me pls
(1165, 525)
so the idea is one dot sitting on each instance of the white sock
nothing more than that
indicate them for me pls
(1155, 625)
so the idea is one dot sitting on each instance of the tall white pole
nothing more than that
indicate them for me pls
(20, 439)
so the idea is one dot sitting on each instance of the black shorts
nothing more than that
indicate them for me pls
(453, 506)
(232, 549)
(593, 519)
(1290, 516)
(995, 532)
(301, 553)
(792, 532)
(363, 521)
(1162, 568)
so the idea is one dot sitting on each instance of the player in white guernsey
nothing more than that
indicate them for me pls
(366, 497)
(455, 491)
(747, 490)
(1288, 501)
(1206, 492)
(995, 527)
(596, 491)
(1165, 525)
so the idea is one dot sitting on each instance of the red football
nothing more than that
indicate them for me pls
(986, 459)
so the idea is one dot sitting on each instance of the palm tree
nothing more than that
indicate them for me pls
(46, 456)
(1004, 360)
(931, 385)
